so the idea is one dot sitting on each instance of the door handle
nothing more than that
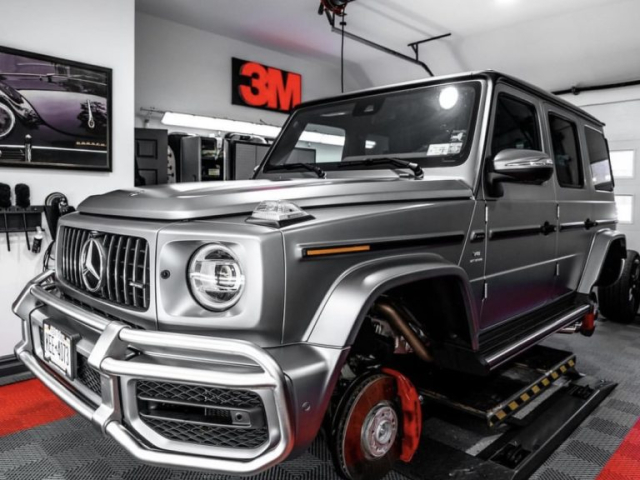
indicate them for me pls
(547, 228)
(589, 224)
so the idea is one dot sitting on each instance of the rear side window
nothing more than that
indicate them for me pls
(566, 152)
(516, 125)
(599, 160)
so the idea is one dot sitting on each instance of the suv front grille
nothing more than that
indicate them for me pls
(214, 417)
(127, 278)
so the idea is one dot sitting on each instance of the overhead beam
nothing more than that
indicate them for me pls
(382, 48)
(415, 46)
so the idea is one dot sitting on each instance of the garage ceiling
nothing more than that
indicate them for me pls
(553, 43)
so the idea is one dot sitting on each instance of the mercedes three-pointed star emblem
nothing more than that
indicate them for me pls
(92, 263)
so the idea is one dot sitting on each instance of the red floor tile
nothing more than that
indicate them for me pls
(25, 405)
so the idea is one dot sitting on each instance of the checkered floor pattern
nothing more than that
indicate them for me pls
(613, 353)
(71, 449)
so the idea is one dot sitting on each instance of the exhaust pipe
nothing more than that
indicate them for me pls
(571, 329)
(401, 326)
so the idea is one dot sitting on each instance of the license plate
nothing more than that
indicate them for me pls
(59, 350)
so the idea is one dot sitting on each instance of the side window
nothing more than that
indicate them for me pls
(599, 160)
(566, 152)
(516, 125)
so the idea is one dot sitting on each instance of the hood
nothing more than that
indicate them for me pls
(187, 201)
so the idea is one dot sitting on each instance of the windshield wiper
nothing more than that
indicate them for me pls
(417, 171)
(296, 166)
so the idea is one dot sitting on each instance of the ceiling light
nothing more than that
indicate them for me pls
(449, 98)
(248, 128)
(315, 137)
(222, 124)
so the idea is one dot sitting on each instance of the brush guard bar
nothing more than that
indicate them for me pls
(111, 357)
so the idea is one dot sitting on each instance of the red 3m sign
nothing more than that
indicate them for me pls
(268, 88)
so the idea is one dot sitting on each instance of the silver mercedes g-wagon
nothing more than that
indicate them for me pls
(450, 223)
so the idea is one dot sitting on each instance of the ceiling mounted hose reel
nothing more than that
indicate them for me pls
(337, 7)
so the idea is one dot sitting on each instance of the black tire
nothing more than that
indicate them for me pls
(349, 455)
(619, 302)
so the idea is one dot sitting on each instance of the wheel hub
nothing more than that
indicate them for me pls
(379, 430)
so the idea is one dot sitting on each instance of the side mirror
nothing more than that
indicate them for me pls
(513, 165)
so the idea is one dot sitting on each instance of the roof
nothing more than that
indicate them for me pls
(484, 75)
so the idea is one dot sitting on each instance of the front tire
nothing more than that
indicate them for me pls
(366, 435)
(620, 301)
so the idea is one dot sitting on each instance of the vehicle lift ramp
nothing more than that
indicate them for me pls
(516, 417)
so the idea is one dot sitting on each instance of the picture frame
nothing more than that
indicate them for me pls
(54, 113)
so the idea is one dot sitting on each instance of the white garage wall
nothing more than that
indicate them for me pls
(91, 31)
(183, 69)
(620, 110)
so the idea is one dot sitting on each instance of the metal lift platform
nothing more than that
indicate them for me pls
(513, 419)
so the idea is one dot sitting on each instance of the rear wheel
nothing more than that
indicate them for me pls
(620, 301)
(366, 436)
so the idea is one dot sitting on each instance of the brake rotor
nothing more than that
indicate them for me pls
(367, 437)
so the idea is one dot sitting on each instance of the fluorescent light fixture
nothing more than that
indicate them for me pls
(222, 124)
(248, 128)
(315, 137)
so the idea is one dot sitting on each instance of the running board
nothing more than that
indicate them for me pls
(500, 357)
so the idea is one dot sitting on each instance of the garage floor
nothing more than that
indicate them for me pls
(69, 448)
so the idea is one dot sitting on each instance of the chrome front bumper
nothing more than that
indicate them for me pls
(122, 355)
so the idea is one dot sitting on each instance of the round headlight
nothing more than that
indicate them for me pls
(7, 120)
(215, 277)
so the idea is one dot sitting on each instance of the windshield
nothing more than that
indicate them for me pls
(432, 126)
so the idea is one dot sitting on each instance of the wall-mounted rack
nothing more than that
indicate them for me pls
(20, 220)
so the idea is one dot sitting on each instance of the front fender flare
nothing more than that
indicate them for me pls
(345, 306)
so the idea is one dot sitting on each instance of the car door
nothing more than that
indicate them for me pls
(577, 219)
(520, 267)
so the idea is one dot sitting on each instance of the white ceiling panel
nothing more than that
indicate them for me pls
(555, 43)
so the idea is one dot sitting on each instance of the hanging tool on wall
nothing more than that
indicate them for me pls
(56, 206)
(5, 202)
(22, 218)
(37, 240)
(23, 200)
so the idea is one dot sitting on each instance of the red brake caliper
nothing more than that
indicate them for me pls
(411, 414)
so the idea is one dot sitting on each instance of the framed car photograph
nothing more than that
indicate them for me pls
(54, 113)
